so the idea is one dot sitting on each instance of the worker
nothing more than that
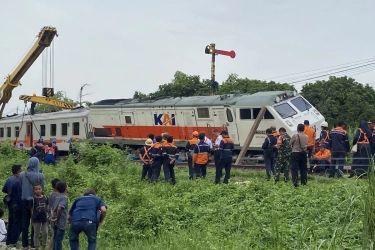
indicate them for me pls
(339, 146)
(201, 156)
(39, 147)
(311, 135)
(73, 148)
(49, 155)
(216, 146)
(170, 154)
(55, 148)
(324, 134)
(152, 137)
(362, 156)
(206, 140)
(372, 139)
(269, 153)
(322, 159)
(155, 153)
(190, 145)
(164, 136)
(276, 135)
(21, 146)
(146, 159)
(226, 147)
(283, 156)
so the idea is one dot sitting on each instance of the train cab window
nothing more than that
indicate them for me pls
(17, 131)
(75, 128)
(118, 132)
(1, 132)
(301, 104)
(285, 110)
(42, 130)
(229, 115)
(53, 130)
(268, 115)
(64, 128)
(203, 113)
(245, 114)
(9, 131)
(128, 119)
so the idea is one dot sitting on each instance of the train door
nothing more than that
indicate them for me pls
(129, 130)
(190, 123)
(29, 134)
(225, 119)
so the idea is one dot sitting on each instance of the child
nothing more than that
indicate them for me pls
(3, 230)
(51, 199)
(60, 215)
(39, 216)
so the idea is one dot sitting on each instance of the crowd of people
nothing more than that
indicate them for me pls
(160, 151)
(297, 152)
(27, 204)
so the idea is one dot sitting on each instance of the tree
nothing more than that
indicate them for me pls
(59, 95)
(341, 98)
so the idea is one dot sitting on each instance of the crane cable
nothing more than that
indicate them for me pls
(19, 131)
(40, 136)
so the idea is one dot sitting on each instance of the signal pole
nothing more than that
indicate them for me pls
(210, 49)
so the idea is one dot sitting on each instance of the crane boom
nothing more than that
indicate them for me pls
(47, 101)
(44, 39)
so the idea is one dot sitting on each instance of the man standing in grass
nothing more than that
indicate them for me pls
(60, 214)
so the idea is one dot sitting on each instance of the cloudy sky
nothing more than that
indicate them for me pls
(119, 47)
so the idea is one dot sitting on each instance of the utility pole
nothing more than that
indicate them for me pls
(210, 49)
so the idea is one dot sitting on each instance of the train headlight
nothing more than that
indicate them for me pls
(277, 99)
(316, 112)
(294, 93)
(289, 123)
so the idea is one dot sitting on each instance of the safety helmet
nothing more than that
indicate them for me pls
(324, 124)
(195, 133)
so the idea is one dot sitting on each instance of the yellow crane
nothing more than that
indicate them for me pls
(44, 39)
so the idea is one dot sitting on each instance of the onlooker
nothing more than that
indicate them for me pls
(39, 216)
(85, 215)
(269, 152)
(152, 137)
(3, 230)
(226, 147)
(51, 199)
(12, 187)
(28, 178)
(60, 215)
(298, 159)
(217, 151)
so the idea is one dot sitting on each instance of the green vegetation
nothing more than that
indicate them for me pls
(325, 214)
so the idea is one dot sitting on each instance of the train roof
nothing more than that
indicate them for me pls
(63, 114)
(265, 98)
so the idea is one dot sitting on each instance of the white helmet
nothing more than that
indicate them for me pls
(324, 124)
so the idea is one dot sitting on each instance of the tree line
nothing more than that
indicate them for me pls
(338, 98)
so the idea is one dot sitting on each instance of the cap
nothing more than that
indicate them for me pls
(306, 122)
(224, 132)
(322, 145)
(21, 143)
(54, 141)
(40, 140)
(148, 142)
(195, 133)
(371, 122)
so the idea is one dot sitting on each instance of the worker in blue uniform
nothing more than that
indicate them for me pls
(201, 156)
(339, 146)
(190, 145)
(372, 138)
(170, 155)
(155, 153)
(361, 158)
(225, 162)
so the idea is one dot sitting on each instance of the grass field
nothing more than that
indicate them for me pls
(325, 214)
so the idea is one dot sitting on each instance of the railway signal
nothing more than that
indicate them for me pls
(210, 49)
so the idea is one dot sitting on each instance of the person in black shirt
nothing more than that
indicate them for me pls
(39, 216)
(269, 153)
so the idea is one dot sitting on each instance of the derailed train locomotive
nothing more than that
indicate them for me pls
(127, 122)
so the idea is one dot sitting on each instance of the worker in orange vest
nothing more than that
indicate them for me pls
(311, 135)
(322, 159)
(190, 146)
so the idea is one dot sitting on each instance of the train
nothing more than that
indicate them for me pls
(127, 122)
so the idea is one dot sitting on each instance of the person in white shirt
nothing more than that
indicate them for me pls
(3, 230)
(217, 153)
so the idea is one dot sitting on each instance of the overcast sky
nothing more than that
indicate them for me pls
(122, 46)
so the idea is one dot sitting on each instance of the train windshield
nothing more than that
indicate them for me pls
(301, 104)
(285, 110)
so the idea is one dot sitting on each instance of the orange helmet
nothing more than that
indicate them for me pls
(195, 133)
